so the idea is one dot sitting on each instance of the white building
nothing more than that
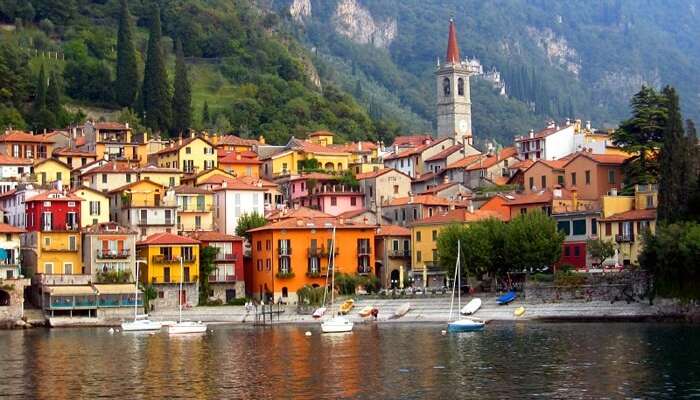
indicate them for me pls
(12, 202)
(12, 170)
(233, 199)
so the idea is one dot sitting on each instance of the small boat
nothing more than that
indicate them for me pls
(519, 311)
(337, 325)
(471, 307)
(465, 325)
(366, 311)
(186, 327)
(402, 310)
(167, 323)
(347, 306)
(318, 313)
(507, 298)
(141, 325)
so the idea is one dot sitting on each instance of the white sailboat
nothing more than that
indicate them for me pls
(337, 323)
(186, 326)
(464, 324)
(140, 322)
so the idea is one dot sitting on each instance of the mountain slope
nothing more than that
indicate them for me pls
(558, 58)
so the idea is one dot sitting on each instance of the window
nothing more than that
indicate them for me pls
(415, 214)
(446, 87)
(608, 228)
(396, 189)
(268, 244)
(579, 226)
(435, 256)
(198, 222)
(59, 175)
(577, 251)
(187, 253)
(611, 176)
(460, 87)
(104, 178)
(94, 208)
(564, 226)
(532, 182)
(172, 181)
(68, 268)
(258, 246)
(48, 268)
(334, 201)
(567, 251)
(259, 265)
(573, 178)
(594, 226)
(284, 167)
(166, 274)
(650, 201)
(544, 181)
(434, 235)
(418, 235)
(560, 180)
(395, 245)
(418, 255)
(268, 264)
(128, 178)
(188, 150)
(353, 201)
(523, 211)
(72, 243)
(588, 177)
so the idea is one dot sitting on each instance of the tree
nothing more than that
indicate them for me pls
(53, 96)
(126, 82)
(206, 267)
(40, 93)
(206, 118)
(676, 174)
(155, 93)
(642, 134)
(247, 222)
(600, 249)
(182, 96)
(533, 241)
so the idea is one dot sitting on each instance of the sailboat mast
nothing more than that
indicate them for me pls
(459, 276)
(179, 295)
(332, 264)
(454, 280)
(136, 292)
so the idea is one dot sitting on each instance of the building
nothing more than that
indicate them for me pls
(448, 190)
(439, 161)
(12, 171)
(10, 251)
(51, 170)
(334, 199)
(94, 206)
(383, 185)
(411, 161)
(107, 175)
(426, 270)
(191, 155)
(297, 188)
(626, 219)
(490, 169)
(26, 146)
(293, 251)
(233, 199)
(73, 157)
(109, 254)
(404, 210)
(455, 171)
(168, 177)
(240, 164)
(13, 203)
(194, 209)
(594, 175)
(392, 245)
(144, 206)
(170, 259)
(231, 143)
(227, 281)
(292, 158)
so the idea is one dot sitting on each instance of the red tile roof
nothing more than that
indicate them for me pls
(312, 222)
(539, 197)
(113, 126)
(522, 165)
(19, 136)
(213, 236)
(411, 140)
(489, 161)
(7, 228)
(438, 188)
(320, 133)
(462, 163)
(423, 199)
(46, 196)
(633, 215)
(67, 151)
(107, 228)
(166, 238)
(309, 147)
(445, 153)
(392, 230)
(232, 140)
(425, 177)
(319, 176)
(459, 215)
(111, 167)
(606, 159)
(132, 184)
(246, 157)
(354, 147)
(374, 174)
(234, 183)
(186, 189)
(176, 146)
(153, 169)
(7, 160)
(301, 212)
(353, 213)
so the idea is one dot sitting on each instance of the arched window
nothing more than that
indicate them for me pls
(446, 86)
(340, 166)
(460, 87)
(329, 166)
(285, 292)
(4, 298)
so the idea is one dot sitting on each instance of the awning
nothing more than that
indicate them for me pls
(125, 288)
(70, 290)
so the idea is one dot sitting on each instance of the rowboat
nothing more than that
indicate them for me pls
(347, 306)
(471, 307)
(507, 298)
(366, 311)
(519, 311)
(318, 313)
(402, 310)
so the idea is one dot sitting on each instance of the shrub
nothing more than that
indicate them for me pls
(569, 279)
(310, 295)
(345, 283)
(237, 302)
(369, 282)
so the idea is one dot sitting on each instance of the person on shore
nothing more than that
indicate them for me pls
(375, 313)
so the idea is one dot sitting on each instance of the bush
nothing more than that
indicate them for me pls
(345, 283)
(310, 295)
(569, 279)
(369, 282)
(543, 278)
(114, 277)
(238, 302)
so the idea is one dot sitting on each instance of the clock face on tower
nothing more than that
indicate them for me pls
(462, 127)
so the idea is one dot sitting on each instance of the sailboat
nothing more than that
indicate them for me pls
(464, 324)
(337, 323)
(140, 322)
(186, 326)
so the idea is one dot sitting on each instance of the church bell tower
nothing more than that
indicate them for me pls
(454, 108)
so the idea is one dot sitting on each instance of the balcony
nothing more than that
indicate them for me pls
(107, 254)
(326, 252)
(191, 279)
(147, 222)
(316, 251)
(625, 238)
(364, 251)
(364, 269)
(226, 257)
(399, 253)
(148, 203)
(163, 259)
(71, 227)
(222, 278)
(284, 251)
(194, 208)
(61, 279)
(60, 248)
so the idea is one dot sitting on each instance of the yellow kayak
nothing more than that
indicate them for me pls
(519, 311)
(347, 306)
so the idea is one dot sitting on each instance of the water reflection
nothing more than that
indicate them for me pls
(407, 361)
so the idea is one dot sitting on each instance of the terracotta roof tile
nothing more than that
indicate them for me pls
(424, 199)
(214, 236)
(19, 136)
(445, 153)
(320, 133)
(313, 222)
(186, 189)
(374, 174)
(633, 215)
(7, 160)
(301, 212)
(459, 215)
(166, 238)
(7, 228)
(411, 140)
(309, 147)
(247, 157)
(132, 184)
(47, 196)
(111, 167)
(392, 230)
(233, 140)
(177, 145)
(438, 188)
(319, 176)
(67, 151)
(108, 228)
(464, 162)
(114, 126)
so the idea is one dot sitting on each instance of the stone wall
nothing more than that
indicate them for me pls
(611, 286)
(219, 290)
(169, 299)
(14, 288)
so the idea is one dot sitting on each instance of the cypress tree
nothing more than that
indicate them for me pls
(40, 94)
(53, 96)
(675, 166)
(126, 83)
(206, 118)
(155, 93)
(182, 96)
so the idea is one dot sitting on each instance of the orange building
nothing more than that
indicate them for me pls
(293, 251)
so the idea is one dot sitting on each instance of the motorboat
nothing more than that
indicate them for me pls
(337, 324)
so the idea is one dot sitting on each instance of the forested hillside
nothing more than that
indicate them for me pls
(558, 59)
(246, 74)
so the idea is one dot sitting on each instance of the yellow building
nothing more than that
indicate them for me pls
(194, 209)
(626, 219)
(289, 160)
(170, 258)
(94, 208)
(145, 206)
(205, 176)
(191, 155)
(424, 234)
(52, 170)
(168, 177)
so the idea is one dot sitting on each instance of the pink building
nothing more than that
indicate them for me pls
(334, 199)
(298, 186)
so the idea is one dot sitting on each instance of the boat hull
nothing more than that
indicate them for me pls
(186, 327)
(467, 325)
(337, 325)
(471, 307)
(402, 310)
(506, 298)
(141, 325)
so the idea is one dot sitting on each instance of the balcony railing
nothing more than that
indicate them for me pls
(74, 227)
(59, 248)
(129, 203)
(364, 269)
(399, 253)
(316, 251)
(190, 279)
(226, 257)
(222, 278)
(61, 279)
(107, 254)
(163, 259)
(624, 238)
(194, 208)
(146, 222)
(326, 252)
(284, 251)
(364, 250)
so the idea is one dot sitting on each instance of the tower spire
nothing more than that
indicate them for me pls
(452, 48)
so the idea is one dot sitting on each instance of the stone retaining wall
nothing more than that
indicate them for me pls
(612, 286)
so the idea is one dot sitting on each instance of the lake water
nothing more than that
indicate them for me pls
(562, 360)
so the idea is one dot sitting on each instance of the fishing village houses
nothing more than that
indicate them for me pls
(90, 211)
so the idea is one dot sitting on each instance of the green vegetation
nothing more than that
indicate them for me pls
(127, 67)
(206, 268)
(149, 293)
(247, 222)
(155, 92)
(600, 249)
(311, 296)
(114, 277)
(182, 96)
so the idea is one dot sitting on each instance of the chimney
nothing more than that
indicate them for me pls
(261, 139)
(613, 191)
(114, 165)
(179, 141)
(471, 207)
(531, 134)
(396, 149)
(568, 121)
(445, 179)
(359, 145)
(588, 125)
(126, 125)
(551, 124)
